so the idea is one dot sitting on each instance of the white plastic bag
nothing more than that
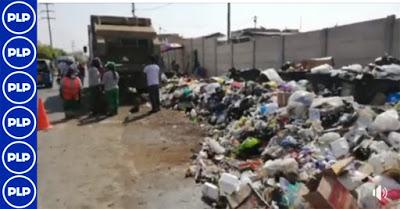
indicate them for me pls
(272, 75)
(322, 69)
(329, 137)
(298, 103)
(211, 88)
(340, 147)
(303, 97)
(284, 165)
(365, 198)
(357, 68)
(215, 146)
(384, 160)
(394, 139)
(391, 69)
(387, 121)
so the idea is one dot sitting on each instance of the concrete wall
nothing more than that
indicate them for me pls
(188, 50)
(396, 39)
(210, 56)
(243, 55)
(357, 43)
(178, 55)
(198, 45)
(268, 52)
(223, 58)
(303, 46)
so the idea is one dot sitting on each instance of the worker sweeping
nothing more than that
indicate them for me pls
(110, 81)
(70, 91)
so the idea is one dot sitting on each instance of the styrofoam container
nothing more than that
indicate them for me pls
(210, 191)
(228, 184)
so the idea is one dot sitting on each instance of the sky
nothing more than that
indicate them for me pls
(196, 19)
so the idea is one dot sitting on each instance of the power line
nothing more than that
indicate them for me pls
(228, 32)
(73, 46)
(48, 18)
(154, 8)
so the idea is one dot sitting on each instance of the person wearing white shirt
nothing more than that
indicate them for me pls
(110, 81)
(152, 71)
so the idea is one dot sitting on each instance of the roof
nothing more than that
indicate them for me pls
(218, 34)
(169, 35)
(266, 33)
(263, 32)
(121, 30)
(170, 46)
(116, 20)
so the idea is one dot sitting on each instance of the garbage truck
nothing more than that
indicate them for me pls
(127, 41)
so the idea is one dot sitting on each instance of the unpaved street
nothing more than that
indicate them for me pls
(109, 164)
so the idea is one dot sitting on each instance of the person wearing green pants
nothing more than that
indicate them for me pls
(110, 82)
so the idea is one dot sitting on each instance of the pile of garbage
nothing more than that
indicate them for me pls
(385, 67)
(277, 144)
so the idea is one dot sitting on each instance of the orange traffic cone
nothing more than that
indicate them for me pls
(43, 119)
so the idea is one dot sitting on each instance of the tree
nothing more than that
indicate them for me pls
(46, 52)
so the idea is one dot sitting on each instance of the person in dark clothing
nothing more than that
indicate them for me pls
(81, 72)
(97, 100)
(152, 71)
(175, 67)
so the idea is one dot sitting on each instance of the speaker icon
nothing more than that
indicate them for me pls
(379, 192)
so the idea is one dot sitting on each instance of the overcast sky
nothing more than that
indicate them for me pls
(193, 19)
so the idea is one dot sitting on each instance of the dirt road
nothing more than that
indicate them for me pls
(112, 165)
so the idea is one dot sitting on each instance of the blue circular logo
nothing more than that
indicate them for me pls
(19, 87)
(18, 17)
(19, 122)
(19, 192)
(19, 52)
(19, 157)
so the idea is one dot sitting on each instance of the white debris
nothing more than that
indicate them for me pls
(340, 147)
(210, 191)
(228, 184)
(387, 121)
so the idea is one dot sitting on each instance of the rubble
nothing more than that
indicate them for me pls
(278, 144)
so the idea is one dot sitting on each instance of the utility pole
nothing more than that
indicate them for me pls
(73, 46)
(228, 33)
(301, 23)
(48, 18)
(133, 10)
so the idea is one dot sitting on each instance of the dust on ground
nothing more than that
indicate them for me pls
(112, 165)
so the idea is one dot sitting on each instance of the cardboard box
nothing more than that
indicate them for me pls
(238, 198)
(341, 165)
(283, 98)
(329, 193)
